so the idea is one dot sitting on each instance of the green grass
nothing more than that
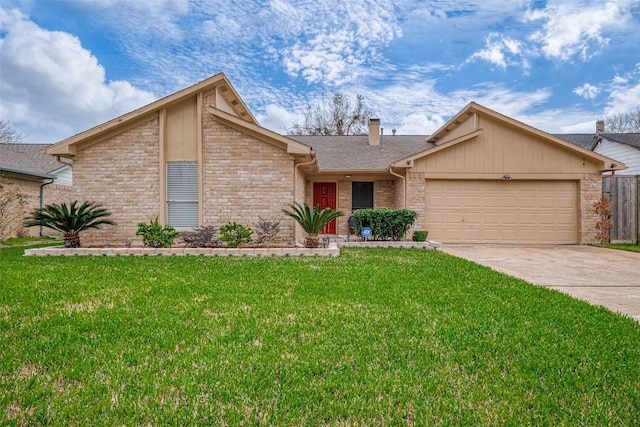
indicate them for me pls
(22, 241)
(624, 247)
(373, 337)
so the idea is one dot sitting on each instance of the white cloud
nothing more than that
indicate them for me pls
(277, 118)
(51, 86)
(419, 124)
(502, 51)
(624, 93)
(332, 49)
(575, 29)
(587, 91)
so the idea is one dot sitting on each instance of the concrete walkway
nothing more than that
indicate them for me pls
(606, 277)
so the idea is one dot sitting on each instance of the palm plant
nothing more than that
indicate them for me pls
(311, 220)
(69, 219)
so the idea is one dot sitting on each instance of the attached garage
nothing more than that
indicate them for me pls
(487, 178)
(499, 211)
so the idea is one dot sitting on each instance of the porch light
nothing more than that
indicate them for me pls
(347, 177)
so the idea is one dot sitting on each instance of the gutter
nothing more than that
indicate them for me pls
(404, 185)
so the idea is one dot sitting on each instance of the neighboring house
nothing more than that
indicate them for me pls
(29, 179)
(199, 157)
(624, 147)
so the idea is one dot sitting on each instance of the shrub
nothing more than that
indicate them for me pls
(385, 223)
(70, 219)
(311, 220)
(156, 235)
(604, 225)
(266, 230)
(201, 237)
(419, 235)
(235, 234)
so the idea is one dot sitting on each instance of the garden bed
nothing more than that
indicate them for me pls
(331, 250)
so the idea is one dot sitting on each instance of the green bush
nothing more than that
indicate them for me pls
(385, 223)
(235, 234)
(156, 235)
(419, 235)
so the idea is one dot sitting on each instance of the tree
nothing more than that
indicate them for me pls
(628, 122)
(340, 116)
(8, 135)
(69, 220)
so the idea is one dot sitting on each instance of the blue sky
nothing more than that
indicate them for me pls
(66, 66)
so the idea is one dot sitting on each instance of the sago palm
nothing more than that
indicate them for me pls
(311, 220)
(69, 219)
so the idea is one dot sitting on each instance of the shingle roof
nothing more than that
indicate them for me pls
(354, 153)
(584, 140)
(28, 159)
(632, 139)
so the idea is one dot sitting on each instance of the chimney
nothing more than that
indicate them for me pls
(374, 131)
(600, 126)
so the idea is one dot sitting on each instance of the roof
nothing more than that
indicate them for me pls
(632, 139)
(585, 140)
(353, 152)
(69, 146)
(28, 159)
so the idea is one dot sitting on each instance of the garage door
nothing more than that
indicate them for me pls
(459, 211)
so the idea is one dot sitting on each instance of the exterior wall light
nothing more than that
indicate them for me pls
(506, 177)
(347, 177)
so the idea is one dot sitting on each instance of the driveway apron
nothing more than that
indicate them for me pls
(606, 277)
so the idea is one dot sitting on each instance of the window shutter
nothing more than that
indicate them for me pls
(182, 194)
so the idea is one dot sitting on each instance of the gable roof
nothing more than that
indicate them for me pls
(473, 108)
(587, 141)
(632, 139)
(292, 146)
(69, 146)
(28, 159)
(353, 152)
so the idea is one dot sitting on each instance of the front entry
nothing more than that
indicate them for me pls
(324, 194)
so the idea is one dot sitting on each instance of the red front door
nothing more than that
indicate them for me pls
(324, 194)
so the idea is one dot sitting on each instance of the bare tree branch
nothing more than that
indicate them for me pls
(340, 116)
(628, 122)
(8, 135)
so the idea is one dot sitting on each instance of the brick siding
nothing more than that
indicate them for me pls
(122, 174)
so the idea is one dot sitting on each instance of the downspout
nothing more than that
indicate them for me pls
(404, 186)
(42, 201)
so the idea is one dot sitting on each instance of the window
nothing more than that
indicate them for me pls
(182, 194)
(361, 195)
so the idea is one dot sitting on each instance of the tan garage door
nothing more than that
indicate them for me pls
(459, 211)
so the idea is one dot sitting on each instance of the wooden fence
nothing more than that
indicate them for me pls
(622, 192)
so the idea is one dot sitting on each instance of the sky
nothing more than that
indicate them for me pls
(69, 65)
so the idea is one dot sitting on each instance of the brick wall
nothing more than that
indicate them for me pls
(590, 192)
(416, 187)
(11, 223)
(245, 178)
(384, 194)
(122, 174)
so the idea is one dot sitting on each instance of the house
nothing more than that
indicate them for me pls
(29, 179)
(199, 157)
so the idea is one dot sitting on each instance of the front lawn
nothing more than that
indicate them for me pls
(373, 337)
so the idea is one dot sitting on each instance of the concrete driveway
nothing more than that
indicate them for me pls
(606, 277)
